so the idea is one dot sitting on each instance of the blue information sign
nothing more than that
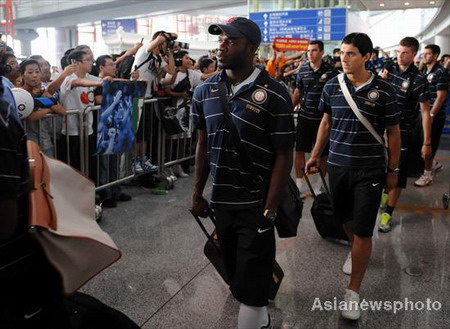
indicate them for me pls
(327, 24)
(109, 27)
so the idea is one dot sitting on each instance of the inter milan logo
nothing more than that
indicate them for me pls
(323, 77)
(259, 96)
(405, 84)
(430, 77)
(373, 94)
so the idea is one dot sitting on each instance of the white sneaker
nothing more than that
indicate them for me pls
(347, 267)
(352, 310)
(178, 170)
(437, 166)
(423, 181)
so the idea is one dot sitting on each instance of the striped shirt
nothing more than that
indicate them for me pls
(411, 88)
(262, 113)
(351, 144)
(438, 79)
(311, 83)
(13, 153)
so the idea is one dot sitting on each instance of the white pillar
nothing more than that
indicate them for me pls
(443, 41)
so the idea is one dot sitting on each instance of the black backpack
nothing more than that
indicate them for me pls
(124, 68)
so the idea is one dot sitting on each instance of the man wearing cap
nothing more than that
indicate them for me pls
(247, 178)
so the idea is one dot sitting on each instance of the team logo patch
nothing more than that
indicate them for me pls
(323, 77)
(405, 84)
(259, 96)
(373, 94)
(430, 77)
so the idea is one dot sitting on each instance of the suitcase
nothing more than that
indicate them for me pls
(212, 252)
(322, 213)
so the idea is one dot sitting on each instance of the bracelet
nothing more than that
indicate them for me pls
(426, 144)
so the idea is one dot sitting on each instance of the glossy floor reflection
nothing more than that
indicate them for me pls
(164, 281)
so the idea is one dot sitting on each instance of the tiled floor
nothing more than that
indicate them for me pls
(163, 280)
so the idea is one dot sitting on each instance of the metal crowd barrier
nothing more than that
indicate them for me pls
(110, 170)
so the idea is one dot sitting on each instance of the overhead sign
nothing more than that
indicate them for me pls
(327, 24)
(111, 27)
(291, 44)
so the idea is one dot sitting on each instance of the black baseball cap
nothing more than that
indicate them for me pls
(237, 27)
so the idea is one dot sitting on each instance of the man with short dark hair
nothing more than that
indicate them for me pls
(247, 178)
(411, 90)
(356, 163)
(438, 78)
(311, 79)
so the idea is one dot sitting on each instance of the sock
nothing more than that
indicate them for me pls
(251, 317)
(427, 173)
(389, 210)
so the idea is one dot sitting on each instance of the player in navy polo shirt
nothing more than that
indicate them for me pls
(311, 78)
(438, 78)
(246, 187)
(411, 89)
(356, 163)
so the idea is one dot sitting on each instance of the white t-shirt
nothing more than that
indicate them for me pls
(149, 70)
(77, 98)
(195, 78)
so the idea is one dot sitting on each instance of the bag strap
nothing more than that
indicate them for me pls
(358, 114)
(246, 161)
(327, 189)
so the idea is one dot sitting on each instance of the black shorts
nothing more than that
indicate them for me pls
(247, 242)
(436, 132)
(403, 174)
(356, 195)
(306, 134)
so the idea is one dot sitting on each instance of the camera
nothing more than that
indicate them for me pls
(182, 45)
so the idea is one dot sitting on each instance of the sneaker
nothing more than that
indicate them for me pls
(179, 171)
(384, 200)
(385, 223)
(171, 174)
(98, 212)
(437, 166)
(352, 310)
(137, 166)
(269, 324)
(149, 166)
(423, 181)
(347, 267)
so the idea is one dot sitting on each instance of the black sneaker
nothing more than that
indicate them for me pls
(122, 197)
(109, 203)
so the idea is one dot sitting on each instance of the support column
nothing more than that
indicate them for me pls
(443, 41)
(65, 39)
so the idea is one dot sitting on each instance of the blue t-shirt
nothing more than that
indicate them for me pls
(351, 144)
(262, 113)
(411, 88)
(439, 79)
(311, 83)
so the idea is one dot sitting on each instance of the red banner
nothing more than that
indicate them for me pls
(290, 44)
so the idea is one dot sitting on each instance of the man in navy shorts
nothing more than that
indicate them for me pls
(356, 161)
(248, 178)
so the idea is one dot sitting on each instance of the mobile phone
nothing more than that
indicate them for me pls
(73, 61)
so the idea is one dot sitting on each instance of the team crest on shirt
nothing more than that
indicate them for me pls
(430, 77)
(373, 94)
(405, 85)
(259, 96)
(323, 77)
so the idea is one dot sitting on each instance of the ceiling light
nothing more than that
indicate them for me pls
(406, 3)
(381, 4)
(432, 2)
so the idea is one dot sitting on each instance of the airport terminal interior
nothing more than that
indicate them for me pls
(163, 278)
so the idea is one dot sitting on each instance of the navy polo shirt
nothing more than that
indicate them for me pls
(262, 114)
(439, 79)
(351, 144)
(411, 88)
(311, 83)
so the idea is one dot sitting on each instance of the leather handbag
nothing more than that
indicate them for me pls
(62, 220)
(290, 206)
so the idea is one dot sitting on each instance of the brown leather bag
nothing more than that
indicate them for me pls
(62, 220)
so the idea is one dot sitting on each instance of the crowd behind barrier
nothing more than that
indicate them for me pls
(167, 150)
